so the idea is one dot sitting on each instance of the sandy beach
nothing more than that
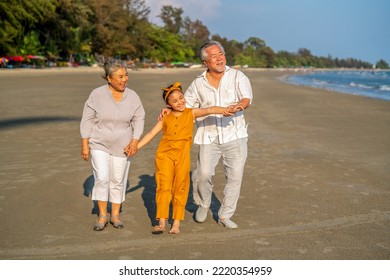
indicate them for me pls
(316, 184)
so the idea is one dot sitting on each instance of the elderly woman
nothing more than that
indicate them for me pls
(112, 121)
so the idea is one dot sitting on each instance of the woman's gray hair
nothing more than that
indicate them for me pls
(202, 50)
(110, 66)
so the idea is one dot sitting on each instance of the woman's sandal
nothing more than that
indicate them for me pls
(100, 226)
(118, 224)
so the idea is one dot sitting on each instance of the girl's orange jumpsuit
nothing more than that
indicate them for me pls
(173, 165)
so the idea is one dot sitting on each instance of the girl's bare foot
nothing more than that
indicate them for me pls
(175, 227)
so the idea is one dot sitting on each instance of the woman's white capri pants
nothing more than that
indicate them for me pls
(110, 173)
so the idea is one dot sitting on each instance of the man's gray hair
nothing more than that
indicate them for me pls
(202, 50)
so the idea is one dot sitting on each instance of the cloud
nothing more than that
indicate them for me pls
(194, 9)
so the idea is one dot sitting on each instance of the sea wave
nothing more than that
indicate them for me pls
(352, 84)
(384, 88)
(373, 84)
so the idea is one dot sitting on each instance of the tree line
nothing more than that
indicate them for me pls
(84, 30)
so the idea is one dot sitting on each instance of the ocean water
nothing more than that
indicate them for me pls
(373, 84)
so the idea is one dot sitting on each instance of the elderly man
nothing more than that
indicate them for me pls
(218, 137)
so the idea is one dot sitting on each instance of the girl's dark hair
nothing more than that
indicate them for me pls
(167, 91)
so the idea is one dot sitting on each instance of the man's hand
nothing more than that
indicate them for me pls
(164, 112)
(231, 109)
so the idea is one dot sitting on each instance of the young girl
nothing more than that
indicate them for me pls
(173, 155)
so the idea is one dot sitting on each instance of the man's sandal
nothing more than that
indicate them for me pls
(100, 226)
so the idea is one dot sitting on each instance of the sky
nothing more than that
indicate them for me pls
(340, 28)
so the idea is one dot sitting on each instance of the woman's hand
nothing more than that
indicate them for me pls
(85, 149)
(132, 148)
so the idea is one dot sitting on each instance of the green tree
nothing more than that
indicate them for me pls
(195, 33)
(256, 52)
(120, 28)
(167, 46)
(268, 56)
(255, 43)
(382, 64)
(109, 33)
(117, 25)
(304, 52)
(68, 30)
(138, 27)
(242, 59)
(172, 18)
(30, 44)
(19, 18)
(282, 59)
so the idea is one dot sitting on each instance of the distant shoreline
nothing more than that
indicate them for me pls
(170, 70)
(281, 74)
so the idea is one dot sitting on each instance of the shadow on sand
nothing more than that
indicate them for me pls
(148, 184)
(11, 123)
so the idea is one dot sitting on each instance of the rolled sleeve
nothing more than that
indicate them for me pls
(245, 88)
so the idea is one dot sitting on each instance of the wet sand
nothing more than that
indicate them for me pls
(316, 183)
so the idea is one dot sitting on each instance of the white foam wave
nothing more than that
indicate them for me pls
(352, 84)
(319, 82)
(384, 88)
